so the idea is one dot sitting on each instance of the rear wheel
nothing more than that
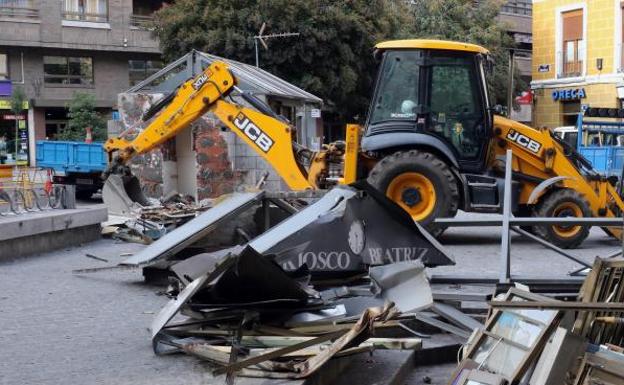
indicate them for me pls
(420, 183)
(563, 203)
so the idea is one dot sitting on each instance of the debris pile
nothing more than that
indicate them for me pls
(249, 317)
(149, 223)
(538, 340)
(344, 275)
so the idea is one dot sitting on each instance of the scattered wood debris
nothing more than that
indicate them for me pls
(537, 340)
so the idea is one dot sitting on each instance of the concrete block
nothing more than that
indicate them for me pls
(45, 242)
(35, 223)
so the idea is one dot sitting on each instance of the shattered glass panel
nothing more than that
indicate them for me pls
(543, 316)
(517, 329)
(497, 357)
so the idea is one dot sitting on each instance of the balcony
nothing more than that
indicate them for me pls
(522, 8)
(570, 68)
(79, 14)
(18, 12)
(141, 21)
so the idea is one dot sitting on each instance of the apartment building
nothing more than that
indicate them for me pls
(54, 48)
(517, 16)
(578, 58)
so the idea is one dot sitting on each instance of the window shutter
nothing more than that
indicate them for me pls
(573, 25)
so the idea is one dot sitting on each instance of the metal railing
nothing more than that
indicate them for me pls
(29, 189)
(141, 21)
(509, 224)
(568, 68)
(81, 15)
(19, 12)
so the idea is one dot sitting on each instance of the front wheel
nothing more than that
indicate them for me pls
(419, 182)
(563, 203)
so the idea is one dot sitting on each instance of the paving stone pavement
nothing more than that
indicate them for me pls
(61, 328)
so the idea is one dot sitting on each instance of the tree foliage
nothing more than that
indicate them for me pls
(331, 58)
(82, 114)
(17, 100)
(462, 20)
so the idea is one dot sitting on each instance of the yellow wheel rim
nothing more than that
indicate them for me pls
(567, 209)
(415, 193)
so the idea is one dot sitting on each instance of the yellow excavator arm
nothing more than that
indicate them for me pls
(269, 136)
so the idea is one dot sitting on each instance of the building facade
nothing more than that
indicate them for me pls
(517, 17)
(577, 58)
(54, 48)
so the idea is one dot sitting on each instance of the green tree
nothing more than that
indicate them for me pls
(462, 20)
(18, 98)
(82, 114)
(331, 58)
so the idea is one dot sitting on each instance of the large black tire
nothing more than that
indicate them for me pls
(563, 203)
(392, 176)
(525, 211)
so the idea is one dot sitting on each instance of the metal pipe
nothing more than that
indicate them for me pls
(511, 83)
(505, 255)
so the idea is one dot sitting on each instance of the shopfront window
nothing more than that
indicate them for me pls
(13, 137)
(573, 44)
(61, 70)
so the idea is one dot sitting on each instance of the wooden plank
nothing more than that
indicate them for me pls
(574, 306)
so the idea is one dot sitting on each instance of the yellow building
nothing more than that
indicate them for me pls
(577, 58)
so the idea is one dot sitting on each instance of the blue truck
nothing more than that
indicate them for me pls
(599, 139)
(77, 163)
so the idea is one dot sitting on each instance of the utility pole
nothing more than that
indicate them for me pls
(510, 89)
(261, 38)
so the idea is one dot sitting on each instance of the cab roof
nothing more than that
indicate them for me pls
(431, 44)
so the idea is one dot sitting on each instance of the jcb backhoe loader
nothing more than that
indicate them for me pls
(431, 142)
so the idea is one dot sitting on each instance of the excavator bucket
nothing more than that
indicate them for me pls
(123, 195)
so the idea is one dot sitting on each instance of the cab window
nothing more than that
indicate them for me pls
(455, 106)
(397, 92)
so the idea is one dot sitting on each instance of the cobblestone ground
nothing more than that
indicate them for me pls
(60, 328)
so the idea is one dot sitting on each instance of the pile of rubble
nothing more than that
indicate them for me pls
(248, 316)
(149, 223)
(539, 340)
(345, 275)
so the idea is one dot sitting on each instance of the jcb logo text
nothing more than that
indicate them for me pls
(259, 137)
(200, 81)
(524, 141)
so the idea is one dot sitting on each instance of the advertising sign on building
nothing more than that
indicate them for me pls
(569, 94)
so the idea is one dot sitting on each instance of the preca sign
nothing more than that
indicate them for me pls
(569, 94)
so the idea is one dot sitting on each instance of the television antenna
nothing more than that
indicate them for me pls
(260, 37)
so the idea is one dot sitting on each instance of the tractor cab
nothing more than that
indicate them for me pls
(431, 94)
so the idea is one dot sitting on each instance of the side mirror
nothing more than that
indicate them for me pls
(498, 109)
